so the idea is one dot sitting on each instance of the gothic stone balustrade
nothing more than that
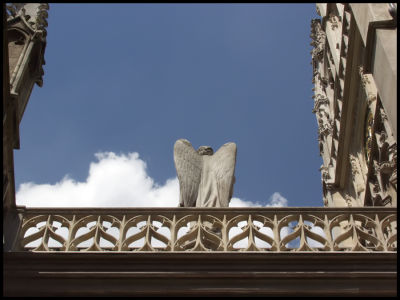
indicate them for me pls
(300, 229)
(209, 252)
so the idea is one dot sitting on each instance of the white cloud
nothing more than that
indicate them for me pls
(319, 231)
(113, 181)
(236, 202)
(277, 200)
(120, 181)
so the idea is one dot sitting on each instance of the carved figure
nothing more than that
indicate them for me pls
(206, 178)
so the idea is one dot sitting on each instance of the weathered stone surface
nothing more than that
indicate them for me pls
(232, 229)
(194, 274)
(205, 178)
(24, 43)
(355, 99)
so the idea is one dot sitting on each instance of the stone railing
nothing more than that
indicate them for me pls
(213, 229)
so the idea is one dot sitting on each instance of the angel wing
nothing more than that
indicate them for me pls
(224, 161)
(188, 164)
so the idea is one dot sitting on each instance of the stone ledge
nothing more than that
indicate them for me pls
(188, 274)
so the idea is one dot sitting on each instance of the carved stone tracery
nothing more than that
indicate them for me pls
(379, 146)
(266, 229)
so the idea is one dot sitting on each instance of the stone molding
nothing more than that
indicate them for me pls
(200, 274)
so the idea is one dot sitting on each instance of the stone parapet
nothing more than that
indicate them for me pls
(207, 229)
(200, 274)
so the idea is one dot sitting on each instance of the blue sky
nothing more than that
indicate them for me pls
(123, 82)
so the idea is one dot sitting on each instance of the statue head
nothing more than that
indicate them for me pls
(205, 150)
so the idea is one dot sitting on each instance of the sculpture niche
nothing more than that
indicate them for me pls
(206, 178)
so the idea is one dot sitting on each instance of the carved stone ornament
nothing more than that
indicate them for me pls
(375, 188)
(206, 179)
(371, 98)
(393, 178)
(354, 167)
(368, 85)
(348, 200)
(324, 173)
(324, 81)
(388, 166)
(319, 100)
(325, 124)
(318, 11)
(334, 20)
(383, 115)
(378, 200)
(364, 80)
(14, 8)
(29, 19)
(382, 138)
(321, 147)
(330, 186)
(393, 152)
(318, 39)
(358, 182)
(34, 15)
(369, 122)
(326, 130)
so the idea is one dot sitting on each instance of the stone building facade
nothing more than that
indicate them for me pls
(24, 33)
(355, 98)
(24, 44)
(355, 108)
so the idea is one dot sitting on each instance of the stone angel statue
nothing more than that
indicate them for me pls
(206, 178)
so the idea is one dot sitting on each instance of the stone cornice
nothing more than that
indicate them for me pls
(206, 274)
